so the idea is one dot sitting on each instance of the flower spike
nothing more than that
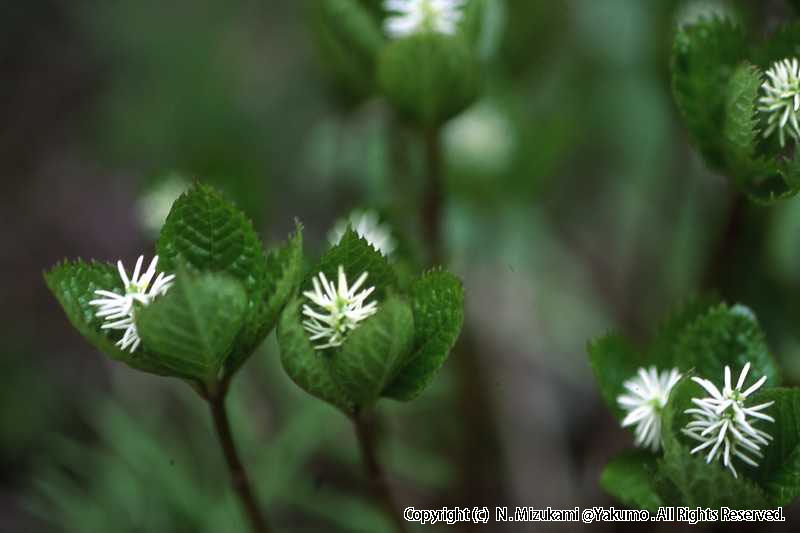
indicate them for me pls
(118, 310)
(724, 426)
(340, 308)
(781, 100)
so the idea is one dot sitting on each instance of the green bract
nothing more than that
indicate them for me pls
(394, 353)
(192, 328)
(429, 77)
(716, 77)
(700, 340)
(227, 295)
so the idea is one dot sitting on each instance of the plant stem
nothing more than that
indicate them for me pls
(365, 433)
(718, 273)
(434, 195)
(480, 458)
(239, 479)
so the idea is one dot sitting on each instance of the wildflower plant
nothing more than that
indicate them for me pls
(200, 322)
(353, 335)
(721, 441)
(739, 101)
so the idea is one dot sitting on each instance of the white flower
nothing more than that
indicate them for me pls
(721, 421)
(412, 16)
(342, 309)
(696, 11)
(367, 225)
(781, 100)
(481, 139)
(648, 394)
(118, 309)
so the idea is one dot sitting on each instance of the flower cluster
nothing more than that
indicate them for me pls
(367, 225)
(722, 423)
(117, 310)
(648, 393)
(413, 16)
(781, 100)
(340, 309)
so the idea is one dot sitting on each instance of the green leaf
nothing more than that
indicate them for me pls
(779, 469)
(698, 484)
(281, 277)
(206, 233)
(73, 283)
(371, 355)
(357, 256)
(725, 336)
(308, 368)
(741, 123)
(762, 178)
(193, 326)
(661, 351)
(429, 77)
(691, 481)
(348, 40)
(209, 234)
(613, 361)
(437, 301)
(630, 478)
(704, 56)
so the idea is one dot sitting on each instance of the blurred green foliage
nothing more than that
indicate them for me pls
(133, 470)
(575, 204)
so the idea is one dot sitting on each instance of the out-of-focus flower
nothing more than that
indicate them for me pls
(648, 392)
(482, 138)
(695, 10)
(367, 225)
(413, 16)
(153, 206)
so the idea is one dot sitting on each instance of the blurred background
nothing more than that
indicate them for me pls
(574, 204)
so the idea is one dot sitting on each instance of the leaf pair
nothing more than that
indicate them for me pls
(227, 295)
(394, 353)
(716, 78)
(700, 340)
